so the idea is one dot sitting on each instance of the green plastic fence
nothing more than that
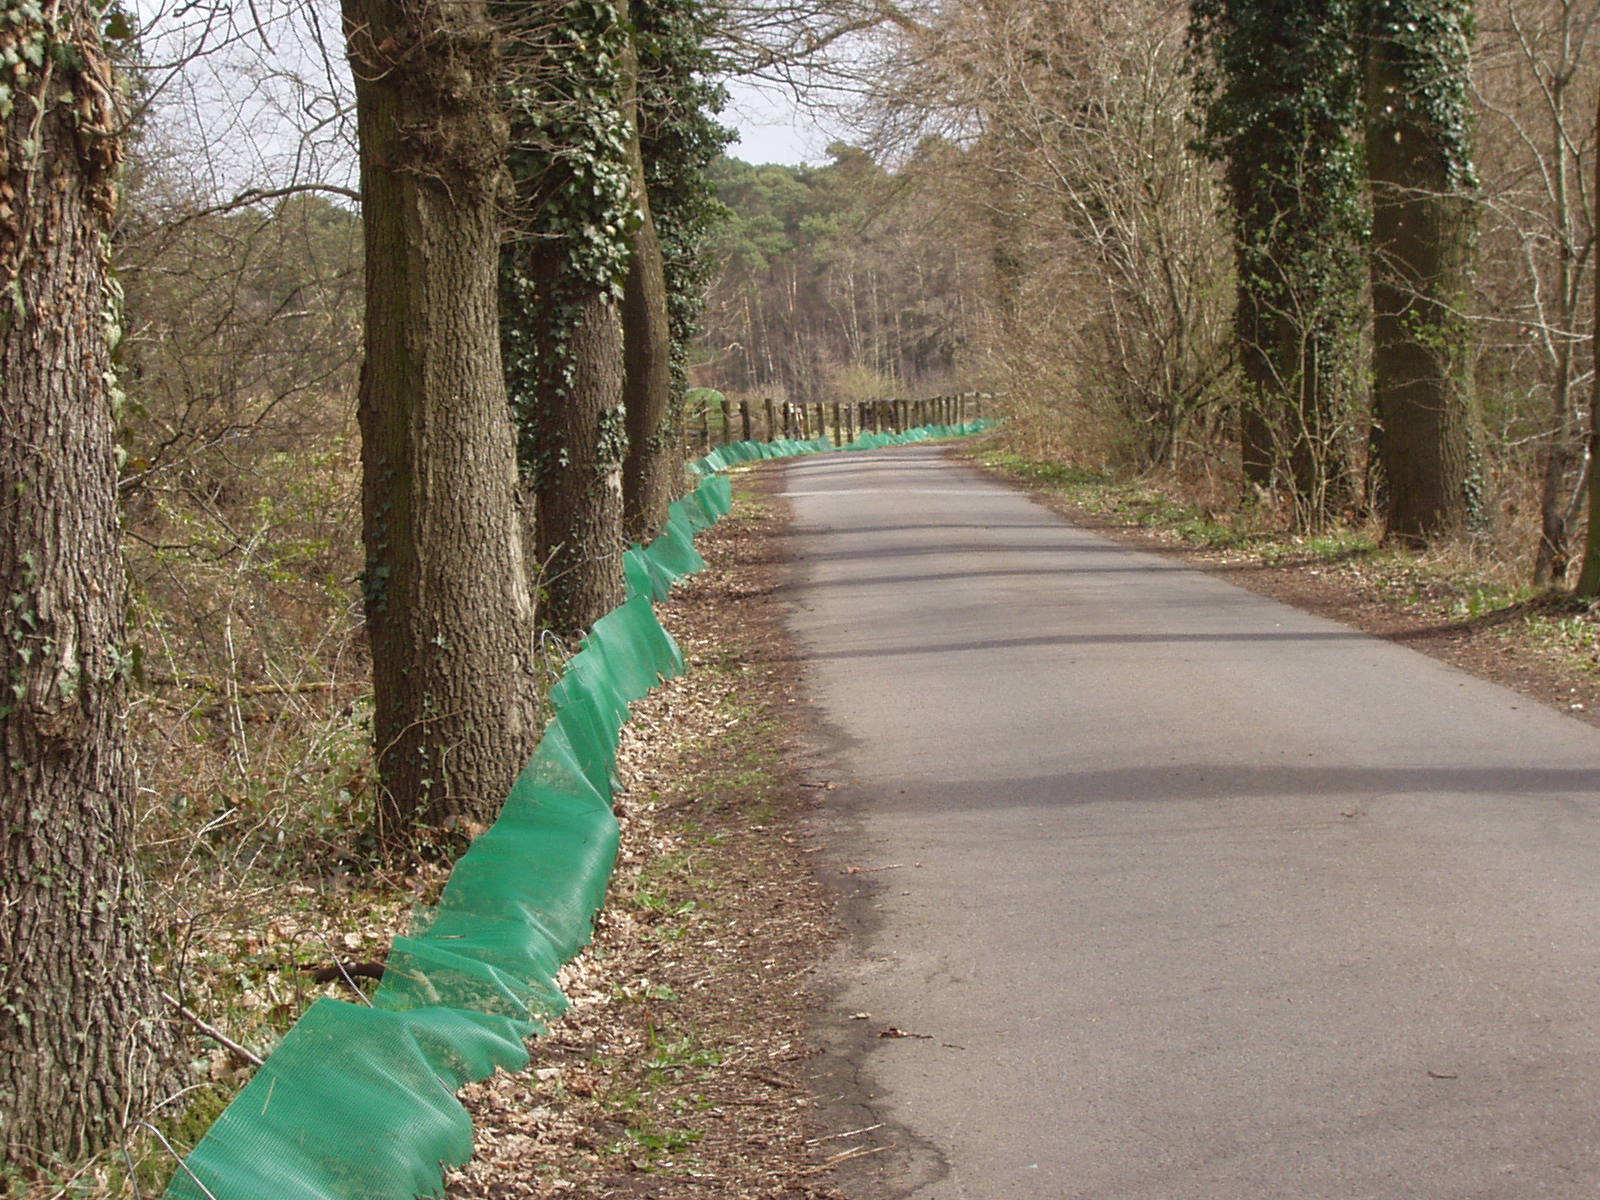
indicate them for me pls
(724, 457)
(358, 1102)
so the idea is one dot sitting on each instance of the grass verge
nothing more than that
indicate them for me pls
(1462, 601)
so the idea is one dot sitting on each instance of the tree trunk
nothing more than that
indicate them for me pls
(448, 610)
(1550, 561)
(1589, 577)
(1279, 95)
(652, 461)
(1423, 243)
(563, 273)
(1255, 431)
(580, 434)
(82, 1041)
(1551, 558)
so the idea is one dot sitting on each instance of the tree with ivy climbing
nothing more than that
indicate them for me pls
(677, 138)
(562, 275)
(1278, 84)
(83, 1042)
(1419, 155)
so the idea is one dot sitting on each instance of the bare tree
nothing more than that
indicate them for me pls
(1108, 269)
(1532, 79)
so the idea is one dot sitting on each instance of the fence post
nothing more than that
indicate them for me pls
(705, 425)
(838, 426)
(850, 423)
(744, 420)
(772, 424)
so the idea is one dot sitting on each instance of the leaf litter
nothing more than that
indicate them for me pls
(679, 1070)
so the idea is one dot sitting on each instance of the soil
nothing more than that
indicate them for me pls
(683, 1069)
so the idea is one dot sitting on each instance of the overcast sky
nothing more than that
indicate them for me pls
(772, 129)
(237, 115)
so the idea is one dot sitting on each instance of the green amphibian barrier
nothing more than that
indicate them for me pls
(358, 1102)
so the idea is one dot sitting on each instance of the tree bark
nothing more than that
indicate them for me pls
(1589, 577)
(580, 432)
(448, 610)
(653, 450)
(83, 1044)
(1422, 252)
(1551, 558)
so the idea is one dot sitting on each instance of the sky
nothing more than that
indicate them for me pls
(772, 128)
(241, 106)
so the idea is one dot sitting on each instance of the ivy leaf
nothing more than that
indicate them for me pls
(118, 27)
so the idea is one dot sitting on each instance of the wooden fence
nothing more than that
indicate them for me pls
(717, 423)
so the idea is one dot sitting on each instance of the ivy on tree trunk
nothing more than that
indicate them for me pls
(562, 273)
(1278, 83)
(1423, 244)
(654, 454)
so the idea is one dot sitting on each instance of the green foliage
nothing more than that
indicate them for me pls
(26, 36)
(1279, 88)
(1427, 43)
(566, 90)
(680, 138)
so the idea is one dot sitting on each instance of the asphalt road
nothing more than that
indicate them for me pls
(1183, 892)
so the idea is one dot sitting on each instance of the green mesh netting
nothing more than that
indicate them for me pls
(358, 1102)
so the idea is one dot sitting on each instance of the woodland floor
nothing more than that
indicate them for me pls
(681, 1069)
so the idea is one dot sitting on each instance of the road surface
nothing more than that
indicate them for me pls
(1182, 893)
